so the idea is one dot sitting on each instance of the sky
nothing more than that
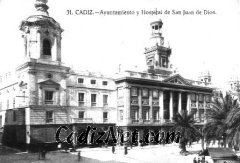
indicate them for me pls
(100, 43)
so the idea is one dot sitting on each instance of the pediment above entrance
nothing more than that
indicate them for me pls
(177, 79)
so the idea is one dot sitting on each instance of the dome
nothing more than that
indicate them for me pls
(157, 22)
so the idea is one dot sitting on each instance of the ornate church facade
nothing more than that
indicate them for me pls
(44, 94)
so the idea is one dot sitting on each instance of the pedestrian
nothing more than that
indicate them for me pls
(199, 161)
(113, 149)
(194, 160)
(125, 150)
(79, 155)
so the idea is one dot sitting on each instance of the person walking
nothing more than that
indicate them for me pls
(113, 149)
(194, 160)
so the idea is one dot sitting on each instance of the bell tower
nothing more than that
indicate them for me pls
(41, 35)
(157, 55)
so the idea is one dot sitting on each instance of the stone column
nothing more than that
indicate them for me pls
(39, 47)
(127, 105)
(161, 111)
(140, 105)
(27, 124)
(188, 102)
(33, 89)
(171, 106)
(197, 103)
(204, 107)
(151, 107)
(54, 50)
(179, 101)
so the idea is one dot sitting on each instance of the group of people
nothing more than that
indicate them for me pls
(200, 160)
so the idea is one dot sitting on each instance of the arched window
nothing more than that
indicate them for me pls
(46, 47)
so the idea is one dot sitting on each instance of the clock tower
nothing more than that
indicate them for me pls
(41, 35)
(157, 55)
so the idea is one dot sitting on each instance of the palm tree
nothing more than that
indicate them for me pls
(233, 124)
(184, 123)
(217, 126)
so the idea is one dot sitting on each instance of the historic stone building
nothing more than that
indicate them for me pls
(44, 94)
(147, 101)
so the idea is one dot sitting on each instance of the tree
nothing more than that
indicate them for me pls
(233, 124)
(184, 123)
(217, 126)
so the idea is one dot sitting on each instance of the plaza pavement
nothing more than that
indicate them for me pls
(153, 153)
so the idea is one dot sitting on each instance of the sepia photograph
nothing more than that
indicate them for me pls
(120, 81)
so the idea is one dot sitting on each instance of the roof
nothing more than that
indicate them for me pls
(222, 153)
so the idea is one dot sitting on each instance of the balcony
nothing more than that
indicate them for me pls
(156, 121)
(48, 102)
(145, 102)
(81, 103)
(146, 121)
(135, 121)
(193, 105)
(134, 102)
(105, 120)
(93, 104)
(81, 120)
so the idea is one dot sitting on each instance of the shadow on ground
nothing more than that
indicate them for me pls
(51, 157)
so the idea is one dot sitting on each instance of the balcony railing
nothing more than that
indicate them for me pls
(93, 104)
(156, 121)
(81, 120)
(80, 103)
(146, 121)
(48, 102)
(134, 102)
(134, 121)
(105, 119)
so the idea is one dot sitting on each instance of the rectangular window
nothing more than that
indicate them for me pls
(164, 62)
(49, 116)
(155, 93)
(81, 114)
(207, 98)
(105, 116)
(104, 83)
(48, 97)
(80, 80)
(80, 99)
(200, 98)
(134, 92)
(93, 81)
(145, 114)
(193, 97)
(156, 114)
(145, 92)
(134, 113)
(105, 100)
(93, 99)
(120, 115)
